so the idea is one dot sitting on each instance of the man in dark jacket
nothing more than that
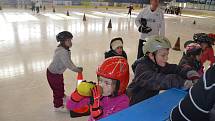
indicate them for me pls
(152, 73)
(116, 48)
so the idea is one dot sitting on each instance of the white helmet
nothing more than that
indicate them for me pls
(154, 43)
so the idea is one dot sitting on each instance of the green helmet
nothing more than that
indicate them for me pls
(154, 43)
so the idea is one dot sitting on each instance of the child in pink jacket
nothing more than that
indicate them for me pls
(105, 98)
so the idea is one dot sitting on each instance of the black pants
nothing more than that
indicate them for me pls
(129, 12)
(38, 9)
(140, 48)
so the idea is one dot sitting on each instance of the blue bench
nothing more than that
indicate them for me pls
(156, 108)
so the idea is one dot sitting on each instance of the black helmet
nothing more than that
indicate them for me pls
(202, 38)
(62, 36)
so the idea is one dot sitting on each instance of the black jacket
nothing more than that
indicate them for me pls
(149, 78)
(112, 53)
(197, 104)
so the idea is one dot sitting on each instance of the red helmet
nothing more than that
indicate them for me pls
(115, 68)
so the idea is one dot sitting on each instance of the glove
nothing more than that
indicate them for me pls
(188, 84)
(192, 75)
(144, 29)
(80, 69)
(76, 97)
(143, 22)
(95, 108)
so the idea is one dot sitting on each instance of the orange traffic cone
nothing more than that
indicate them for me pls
(79, 77)
(110, 24)
(84, 18)
(67, 13)
(177, 45)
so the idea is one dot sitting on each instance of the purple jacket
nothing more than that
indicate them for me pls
(110, 105)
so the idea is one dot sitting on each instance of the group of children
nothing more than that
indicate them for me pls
(198, 52)
(111, 93)
(99, 99)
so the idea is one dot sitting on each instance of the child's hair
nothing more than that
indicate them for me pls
(117, 85)
(62, 36)
(153, 53)
(188, 42)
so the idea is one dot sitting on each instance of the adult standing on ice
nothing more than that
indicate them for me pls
(150, 21)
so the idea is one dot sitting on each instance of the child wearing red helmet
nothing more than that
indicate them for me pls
(108, 96)
(191, 57)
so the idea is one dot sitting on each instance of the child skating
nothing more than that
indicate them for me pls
(61, 61)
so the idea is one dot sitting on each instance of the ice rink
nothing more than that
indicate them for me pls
(27, 44)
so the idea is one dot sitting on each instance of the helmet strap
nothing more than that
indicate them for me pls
(155, 58)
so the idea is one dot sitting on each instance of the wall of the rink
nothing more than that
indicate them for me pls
(191, 4)
(50, 3)
(195, 4)
(73, 2)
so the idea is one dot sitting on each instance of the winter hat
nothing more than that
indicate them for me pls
(116, 42)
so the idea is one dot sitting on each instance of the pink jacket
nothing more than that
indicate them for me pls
(110, 105)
